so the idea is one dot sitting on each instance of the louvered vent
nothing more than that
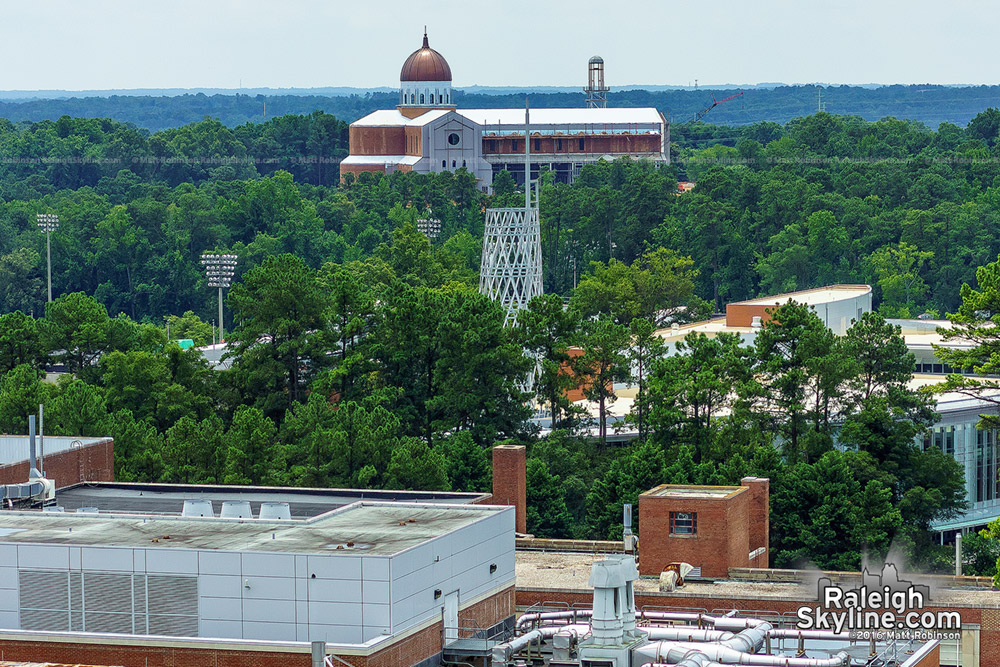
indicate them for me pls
(108, 602)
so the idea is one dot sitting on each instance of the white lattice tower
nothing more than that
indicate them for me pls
(512, 258)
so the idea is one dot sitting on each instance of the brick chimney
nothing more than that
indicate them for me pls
(760, 518)
(509, 485)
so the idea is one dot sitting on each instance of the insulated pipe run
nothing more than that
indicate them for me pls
(686, 633)
(674, 652)
(789, 633)
(503, 652)
(552, 616)
(696, 659)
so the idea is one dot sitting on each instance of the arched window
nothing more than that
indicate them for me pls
(463, 164)
(421, 98)
(444, 164)
(452, 164)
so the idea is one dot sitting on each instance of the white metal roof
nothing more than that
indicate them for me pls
(393, 118)
(645, 116)
(381, 159)
(584, 116)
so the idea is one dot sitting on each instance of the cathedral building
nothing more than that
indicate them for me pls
(426, 132)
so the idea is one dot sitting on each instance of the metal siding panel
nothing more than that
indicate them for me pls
(376, 615)
(221, 629)
(331, 590)
(106, 560)
(42, 557)
(269, 611)
(335, 567)
(9, 621)
(75, 558)
(375, 569)
(172, 561)
(376, 592)
(8, 554)
(269, 588)
(211, 562)
(138, 560)
(302, 615)
(221, 609)
(268, 565)
(8, 577)
(335, 613)
(219, 586)
(269, 631)
(335, 634)
(106, 593)
(8, 600)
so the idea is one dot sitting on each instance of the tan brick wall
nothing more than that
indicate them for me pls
(93, 463)
(722, 539)
(509, 484)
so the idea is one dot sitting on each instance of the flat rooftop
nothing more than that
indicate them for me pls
(811, 297)
(168, 499)
(683, 491)
(553, 571)
(364, 528)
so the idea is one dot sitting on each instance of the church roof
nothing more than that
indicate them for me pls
(425, 64)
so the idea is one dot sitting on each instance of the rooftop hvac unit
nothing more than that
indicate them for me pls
(756, 322)
(54, 508)
(236, 509)
(275, 511)
(198, 508)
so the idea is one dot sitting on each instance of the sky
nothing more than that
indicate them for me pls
(111, 44)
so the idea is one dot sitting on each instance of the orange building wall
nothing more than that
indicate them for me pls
(742, 314)
(592, 143)
(377, 140)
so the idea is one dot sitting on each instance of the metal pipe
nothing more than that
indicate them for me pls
(41, 439)
(503, 652)
(552, 616)
(685, 633)
(672, 652)
(32, 469)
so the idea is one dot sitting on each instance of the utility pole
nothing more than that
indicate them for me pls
(219, 269)
(48, 223)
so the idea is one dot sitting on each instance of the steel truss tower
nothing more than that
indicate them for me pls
(511, 270)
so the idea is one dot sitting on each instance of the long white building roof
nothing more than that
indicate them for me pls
(643, 116)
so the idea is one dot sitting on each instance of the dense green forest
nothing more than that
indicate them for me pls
(362, 354)
(929, 104)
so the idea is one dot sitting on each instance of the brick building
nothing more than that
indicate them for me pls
(427, 133)
(67, 460)
(713, 528)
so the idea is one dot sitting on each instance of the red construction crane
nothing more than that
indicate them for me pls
(701, 114)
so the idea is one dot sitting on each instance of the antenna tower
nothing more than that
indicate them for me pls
(512, 247)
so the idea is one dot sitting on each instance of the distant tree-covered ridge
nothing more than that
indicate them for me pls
(929, 104)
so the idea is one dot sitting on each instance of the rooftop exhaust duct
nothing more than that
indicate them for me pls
(236, 509)
(281, 511)
(198, 508)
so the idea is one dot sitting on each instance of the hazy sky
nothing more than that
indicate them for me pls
(99, 44)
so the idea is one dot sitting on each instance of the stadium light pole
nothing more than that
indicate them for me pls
(219, 269)
(48, 223)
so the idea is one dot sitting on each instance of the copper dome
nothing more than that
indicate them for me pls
(425, 64)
